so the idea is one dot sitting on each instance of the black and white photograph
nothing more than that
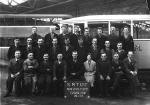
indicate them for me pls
(74, 52)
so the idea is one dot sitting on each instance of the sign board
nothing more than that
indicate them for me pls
(76, 89)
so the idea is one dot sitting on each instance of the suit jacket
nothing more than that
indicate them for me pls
(61, 39)
(130, 66)
(117, 67)
(114, 39)
(90, 67)
(59, 70)
(104, 68)
(122, 54)
(75, 67)
(15, 66)
(67, 54)
(39, 52)
(87, 41)
(82, 53)
(48, 40)
(26, 50)
(109, 53)
(128, 44)
(101, 41)
(53, 53)
(11, 51)
(43, 66)
(35, 38)
(95, 52)
(74, 40)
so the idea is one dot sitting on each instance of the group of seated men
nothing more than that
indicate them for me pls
(43, 64)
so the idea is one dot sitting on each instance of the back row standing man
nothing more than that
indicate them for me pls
(34, 36)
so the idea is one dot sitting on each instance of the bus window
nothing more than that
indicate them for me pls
(119, 25)
(141, 29)
(94, 25)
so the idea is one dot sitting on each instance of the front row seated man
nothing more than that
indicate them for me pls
(131, 72)
(117, 73)
(103, 71)
(75, 68)
(14, 74)
(59, 74)
(45, 73)
(30, 66)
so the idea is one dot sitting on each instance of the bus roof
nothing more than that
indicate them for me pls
(35, 15)
(91, 18)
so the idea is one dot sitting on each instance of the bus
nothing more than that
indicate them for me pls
(139, 29)
(20, 25)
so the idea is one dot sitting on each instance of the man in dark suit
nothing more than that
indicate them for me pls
(40, 50)
(13, 48)
(104, 70)
(45, 72)
(113, 38)
(67, 50)
(59, 74)
(28, 48)
(49, 37)
(87, 38)
(34, 36)
(131, 71)
(82, 51)
(15, 70)
(74, 37)
(63, 35)
(101, 38)
(54, 50)
(75, 68)
(122, 53)
(94, 50)
(109, 52)
(116, 74)
(127, 40)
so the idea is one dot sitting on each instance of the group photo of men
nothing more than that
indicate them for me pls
(42, 65)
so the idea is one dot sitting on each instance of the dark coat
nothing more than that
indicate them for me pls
(117, 67)
(114, 39)
(128, 44)
(101, 41)
(122, 54)
(104, 68)
(75, 67)
(67, 54)
(61, 39)
(15, 66)
(74, 40)
(11, 51)
(44, 66)
(94, 53)
(129, 66)
(82, 54)
(26, 50)
(39, 52)
(53, 54)
(35, 38)
(59, 70)
(48, 40)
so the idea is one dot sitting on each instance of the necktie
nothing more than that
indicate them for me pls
(89, 62)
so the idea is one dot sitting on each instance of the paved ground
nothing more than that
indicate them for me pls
(142, 99)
